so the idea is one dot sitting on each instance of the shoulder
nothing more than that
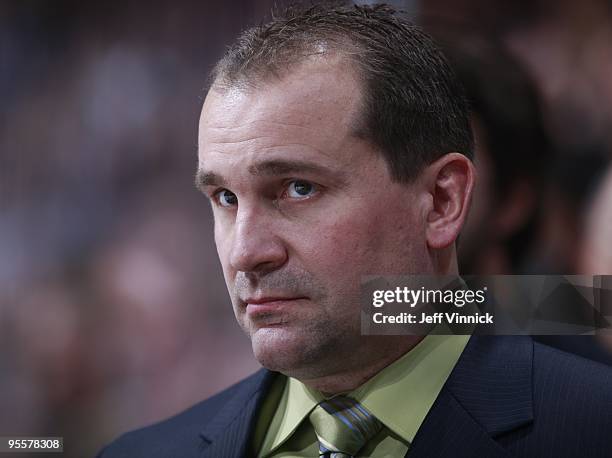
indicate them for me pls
(535, 400)
(180, 434)
(571, 379)
(572, 405)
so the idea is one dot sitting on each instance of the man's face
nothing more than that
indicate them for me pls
(303, 208)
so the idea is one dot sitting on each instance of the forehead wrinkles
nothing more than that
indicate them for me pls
(264, 131)
(279, 138)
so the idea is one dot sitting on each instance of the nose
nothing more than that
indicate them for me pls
(255, 246)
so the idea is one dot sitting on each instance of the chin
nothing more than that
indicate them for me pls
(282, 349)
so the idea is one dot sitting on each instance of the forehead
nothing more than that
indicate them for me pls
(313, 107)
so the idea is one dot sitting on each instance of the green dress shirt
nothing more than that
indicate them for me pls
(400, 396)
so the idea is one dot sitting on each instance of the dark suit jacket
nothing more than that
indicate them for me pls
(507, 396)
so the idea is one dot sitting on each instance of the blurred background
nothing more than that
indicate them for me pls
(113, 309)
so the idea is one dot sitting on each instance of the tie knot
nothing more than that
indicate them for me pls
(343, 426)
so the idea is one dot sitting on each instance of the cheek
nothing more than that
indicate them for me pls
(366, 241)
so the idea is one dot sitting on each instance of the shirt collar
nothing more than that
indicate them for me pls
(295, 404)
(402, 394)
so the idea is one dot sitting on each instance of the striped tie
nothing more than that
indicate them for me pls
(343, 426)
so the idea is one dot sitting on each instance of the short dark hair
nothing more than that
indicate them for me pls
(414, 109)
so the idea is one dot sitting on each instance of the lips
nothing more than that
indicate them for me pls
(268, 300)
(272, 310)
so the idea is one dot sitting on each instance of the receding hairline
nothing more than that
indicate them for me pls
(249, 79)
(330, 56)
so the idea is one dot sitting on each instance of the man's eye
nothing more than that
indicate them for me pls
(226, 198)
(297, 189)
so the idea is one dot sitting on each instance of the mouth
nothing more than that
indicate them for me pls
(271, 311)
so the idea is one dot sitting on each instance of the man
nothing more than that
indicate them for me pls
(334, 143)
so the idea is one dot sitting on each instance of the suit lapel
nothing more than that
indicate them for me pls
(488, 393)
(449, 431)
(229, 433)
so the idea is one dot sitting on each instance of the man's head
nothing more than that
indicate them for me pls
(333, 144)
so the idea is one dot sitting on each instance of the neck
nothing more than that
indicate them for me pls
(354, 374)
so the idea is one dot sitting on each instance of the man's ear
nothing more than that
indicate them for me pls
(449, 181)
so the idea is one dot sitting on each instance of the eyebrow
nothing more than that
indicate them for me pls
(273, 168)
(203, 179)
